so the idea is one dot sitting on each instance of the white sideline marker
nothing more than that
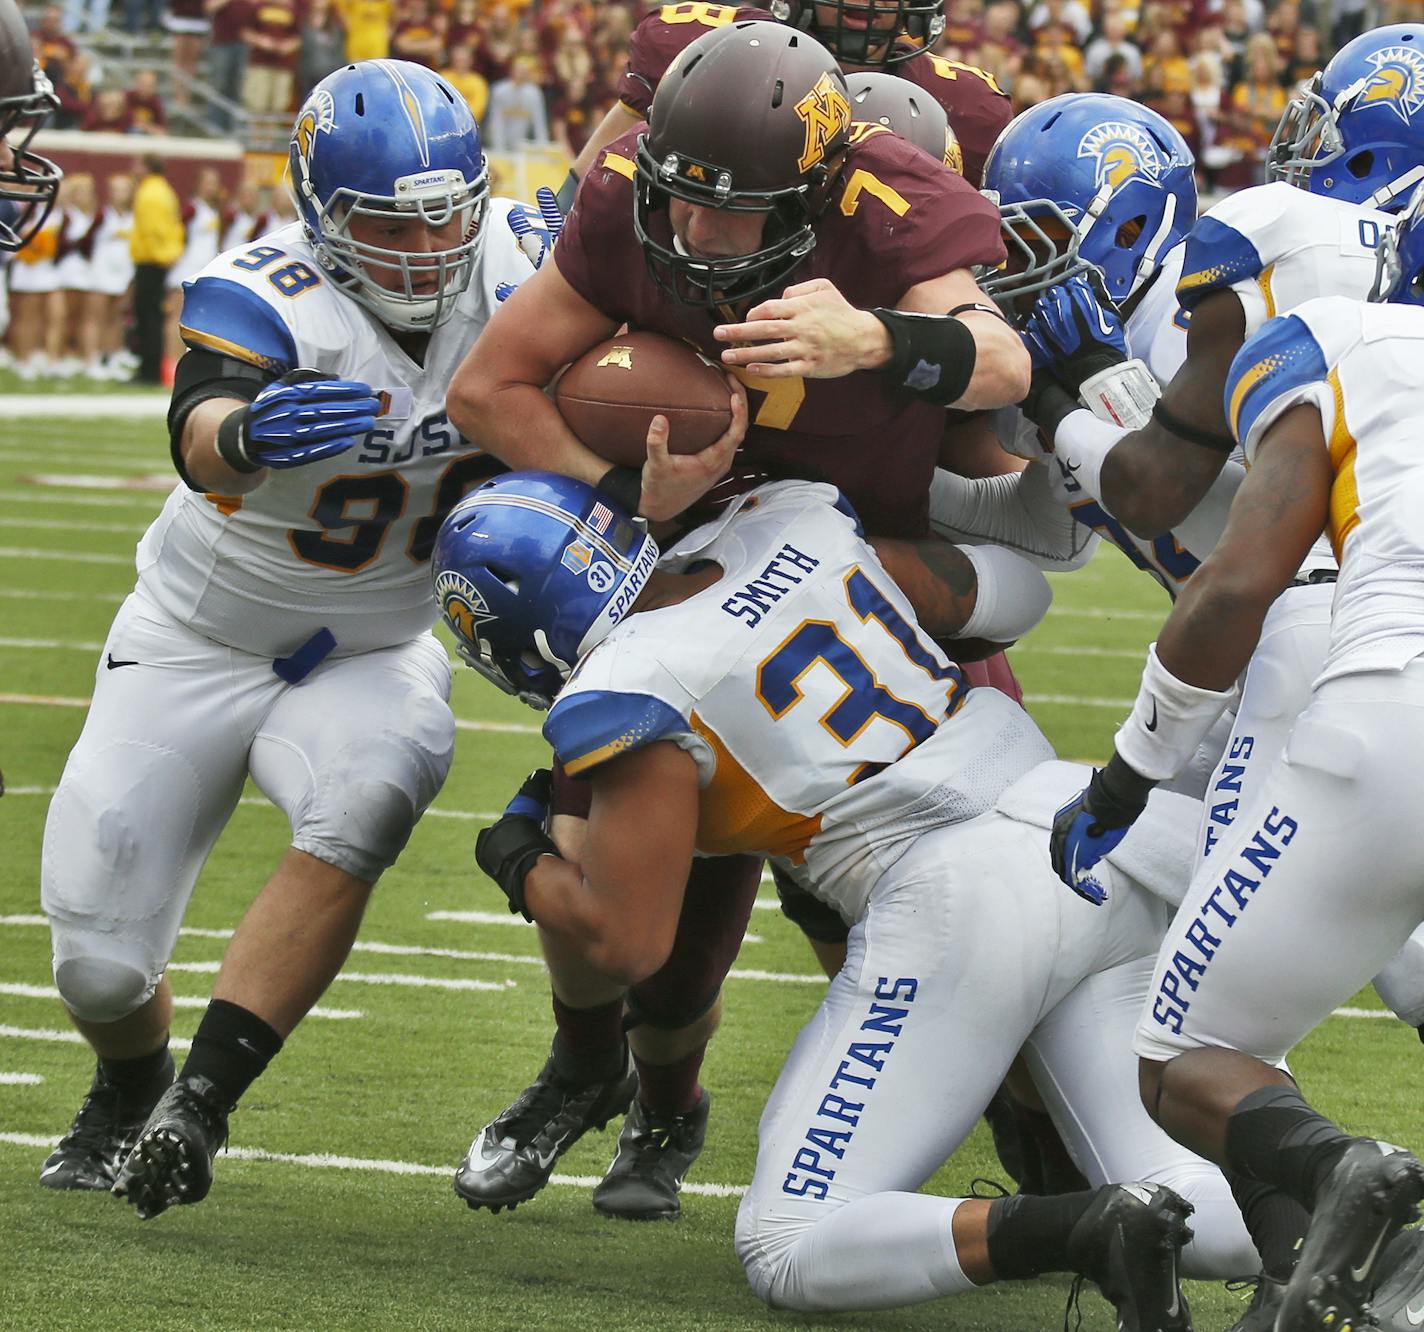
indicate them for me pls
(326, 1161)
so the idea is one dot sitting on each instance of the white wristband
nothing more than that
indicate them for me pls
(1168, 721)
(1013, 596)
(1122, 395)
(1082, 443)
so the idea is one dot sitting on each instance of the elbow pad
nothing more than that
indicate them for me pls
(1012, 595)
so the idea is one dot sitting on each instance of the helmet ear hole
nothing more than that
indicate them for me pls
(1130, 230)
(1361, 164)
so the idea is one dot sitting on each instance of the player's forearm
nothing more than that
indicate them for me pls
(518, 424)
(593, 922)
(1002, 370)
(1215, 625)
(1151, 480)
(199, 447)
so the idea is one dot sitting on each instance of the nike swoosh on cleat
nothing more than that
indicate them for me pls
(114, 665)
(1363, 1270)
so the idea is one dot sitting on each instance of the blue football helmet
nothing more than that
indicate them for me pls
(532, 570)
(1088, 180)
(387, 140)
(1357, 130)
(1399, 261)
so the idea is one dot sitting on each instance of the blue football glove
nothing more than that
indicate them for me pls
(1075, 331)
(537, 229)
(504, 290)
(1091, 825)
(508, 848)
(298, 419)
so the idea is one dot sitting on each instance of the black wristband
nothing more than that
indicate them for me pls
(1208, 439)
(566, 193)
(932, 356)
(231, 444)
(624, 486)
(1119, 792)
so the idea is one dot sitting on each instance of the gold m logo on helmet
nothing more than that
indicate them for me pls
(1397, 81)
(825, 111)
(622, 357)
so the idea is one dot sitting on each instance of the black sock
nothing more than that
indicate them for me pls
(231, 1048)
(1274, 1137)
(1277, 1223)
(1029, 1235)
(589, 1045)
(140, 1082)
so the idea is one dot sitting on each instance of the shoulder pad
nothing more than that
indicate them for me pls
(224, 316)
(1216, 256)
(1280, 359)
(592, 726)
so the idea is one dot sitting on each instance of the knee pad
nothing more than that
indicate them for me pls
(356, 806)
(813, 917)
(99, 989)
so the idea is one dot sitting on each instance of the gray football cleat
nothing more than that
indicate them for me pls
(102, 1135)
(172, 1162)
(654, 1154)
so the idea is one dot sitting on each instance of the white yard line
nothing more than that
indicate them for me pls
(20, 1079)
(60, 1036)
(88, 407)
(83, 501)
(59, 557)
(18, 990)
(54, 525)
(327, 1161)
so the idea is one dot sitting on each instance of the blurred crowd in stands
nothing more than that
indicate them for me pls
(545, 71)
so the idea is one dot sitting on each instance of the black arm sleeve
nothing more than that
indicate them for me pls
(202, 375)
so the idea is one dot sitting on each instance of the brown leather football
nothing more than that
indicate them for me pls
(610, 395)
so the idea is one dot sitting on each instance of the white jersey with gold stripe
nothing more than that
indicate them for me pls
(828, 730)
(342, 544)
(1360, 365)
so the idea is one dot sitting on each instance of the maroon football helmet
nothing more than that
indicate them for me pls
(752, 117)
(28, 182)
(896, 103)
(855, 38)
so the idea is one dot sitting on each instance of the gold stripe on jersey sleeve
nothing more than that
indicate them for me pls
(1263, 280)
(227, 505)
(736, 815)
(622, 165)
(1344, 494)
(1245, 384)
(233, 349)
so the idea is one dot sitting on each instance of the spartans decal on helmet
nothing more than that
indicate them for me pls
(1120, 152)
(1397, 81)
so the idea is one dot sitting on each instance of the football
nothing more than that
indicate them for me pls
(610, 395)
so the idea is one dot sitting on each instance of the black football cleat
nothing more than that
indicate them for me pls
(1398, 1304)
(513, 1156)
(654, 1153)
(1372, 1193)
(102, 1135)
(172, 1162)
(1260, 1315)
(1128, 1242)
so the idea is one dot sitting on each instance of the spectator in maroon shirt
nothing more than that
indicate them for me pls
(578, 107)
(108, 113)
(227, 56)
(75, 89)
(273, 37)
(416, 35)
(52, 47)
(145, 107)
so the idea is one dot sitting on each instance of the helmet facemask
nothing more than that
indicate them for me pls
(1399, 258)
(786, 241)
(26, 178)
(416, 304)
(917, 27)
(1042, 241)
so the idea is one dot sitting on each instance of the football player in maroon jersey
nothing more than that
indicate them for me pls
(890, 35)
(750, 181)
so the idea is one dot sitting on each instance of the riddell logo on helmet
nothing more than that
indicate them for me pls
(1397, 81)
(825, 111)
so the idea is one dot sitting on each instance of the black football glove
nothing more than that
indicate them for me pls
(508, 848)
(1091, 825)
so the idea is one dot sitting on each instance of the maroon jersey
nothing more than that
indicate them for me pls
(895, 218)
(976, 106)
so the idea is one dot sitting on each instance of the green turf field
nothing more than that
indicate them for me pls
(334, 1207)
